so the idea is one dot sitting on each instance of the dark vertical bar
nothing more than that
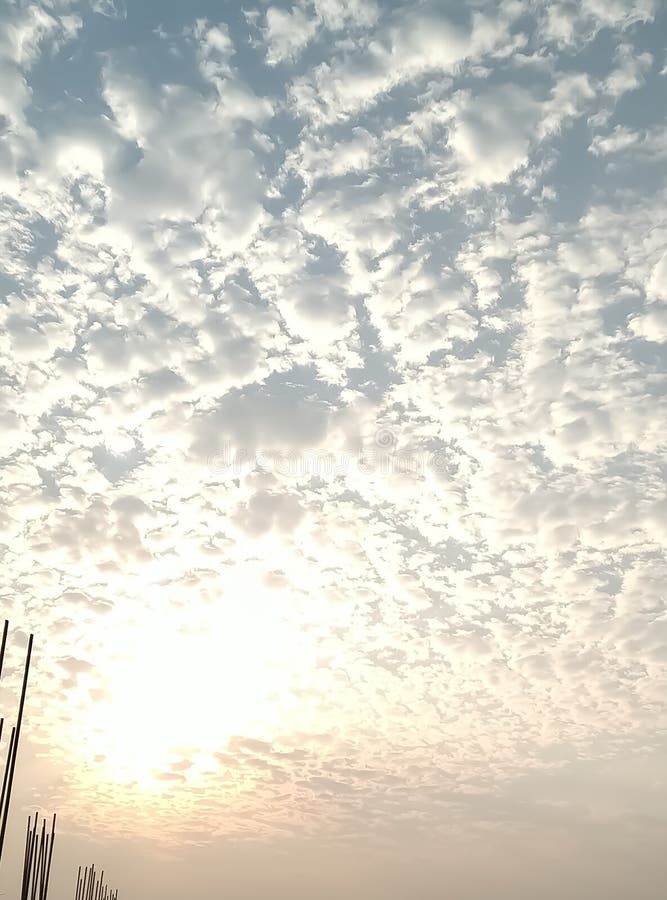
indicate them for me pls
(31, 856)
(42, 868)
(3, 645)
(6, 775)
(47, 875)
(78, 884)
(25, 859)
(43, 850)
(36, 861)
(5, 811)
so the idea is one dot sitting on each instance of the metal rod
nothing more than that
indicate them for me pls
(3, 645)
(48, 864)
(29, 862)
(92, 886)
(3, 826)
(6, 775)
(38, 858)
(26, 856)
(42, 868)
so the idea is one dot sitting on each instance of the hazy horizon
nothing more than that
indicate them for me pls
(333, 341)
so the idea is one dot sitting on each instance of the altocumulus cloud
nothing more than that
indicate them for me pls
(431, 230)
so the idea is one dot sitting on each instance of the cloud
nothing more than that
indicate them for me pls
(288, 32)
(423, 42)
(265, 510)
(656, 287)
(332, 344)
(261, 417)
(651, 325)
(491, 135)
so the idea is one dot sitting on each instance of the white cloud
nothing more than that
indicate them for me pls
(334, 362)
(656, 287)
(422, 42)
(652, 324)
(288, 32)
(491, 135)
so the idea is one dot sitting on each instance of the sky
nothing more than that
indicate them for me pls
(333, 404)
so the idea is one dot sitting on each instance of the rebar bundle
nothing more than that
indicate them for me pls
(38, 842)
(37, 860)
(91, 886)
(10, 762)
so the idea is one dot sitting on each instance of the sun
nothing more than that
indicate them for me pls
(184, 683)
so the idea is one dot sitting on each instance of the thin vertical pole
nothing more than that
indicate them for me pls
(6, 775)
(38, 858)
(5, 811)
(25, 859)
(48, 864)
(3, 645)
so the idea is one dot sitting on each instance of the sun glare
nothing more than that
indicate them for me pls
(183, 687)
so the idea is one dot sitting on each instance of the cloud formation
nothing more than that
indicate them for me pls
(332, 410)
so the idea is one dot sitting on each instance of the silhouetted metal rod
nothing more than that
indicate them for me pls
(2, 720)
(37, 859)
(84, 883)
(42, 859)
(12, 761)
(26, 858)
(32, 874)
(6, 773)
(92, 886)
(47, 877)
(3, 645)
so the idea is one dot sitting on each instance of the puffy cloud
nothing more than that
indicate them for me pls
(656, 287)
(491, 135)
(652, 324)
(421, 42)
(333, 357)
(287, 32)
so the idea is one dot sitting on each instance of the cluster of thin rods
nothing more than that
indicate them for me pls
(38, 843)
(91, 886)
(37, 860)
(10, 762)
